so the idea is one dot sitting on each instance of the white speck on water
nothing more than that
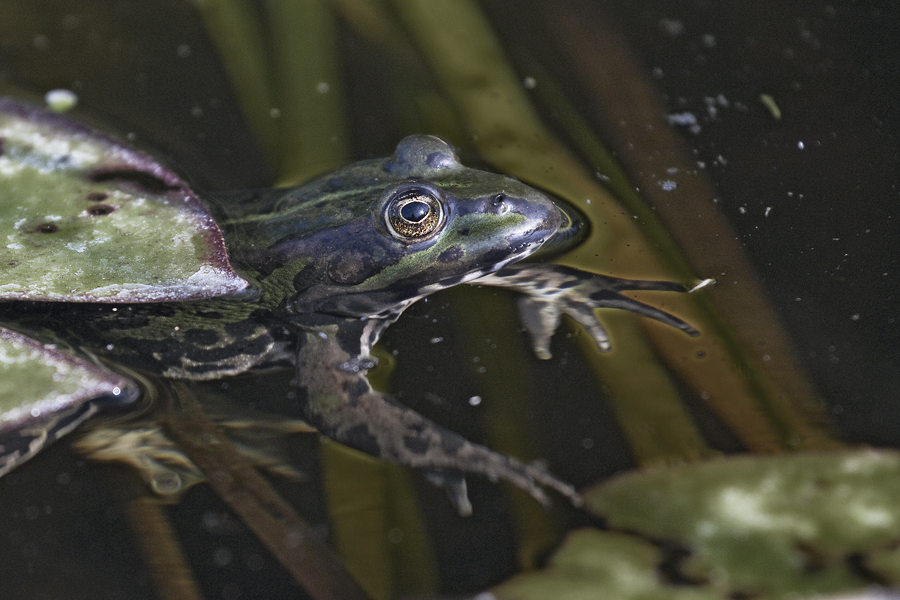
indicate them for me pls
(672, 27)
(587, 200)
(800, 145)
(274, 113)
(768, 210)
(854, 317)
(322, 87)
(667, 185)
(708, 40)
(530, 83)
(475, 400)
(61, 100)
(436, 340)
(183, 51)
(685, 119)
(743, 210)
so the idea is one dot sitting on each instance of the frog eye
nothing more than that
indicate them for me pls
(414, 214)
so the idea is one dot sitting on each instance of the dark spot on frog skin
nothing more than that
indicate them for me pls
(360, 438)
(101, 210)
(97, 196)
(46, 228)
(2, 149)
(209, 314)
(349, 268)
(451, 255)
(416, 445)
(201, 337)
(148, 181)
(355, 388)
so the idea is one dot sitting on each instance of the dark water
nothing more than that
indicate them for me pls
(813, 199)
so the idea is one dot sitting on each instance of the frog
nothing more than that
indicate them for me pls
(329, 265)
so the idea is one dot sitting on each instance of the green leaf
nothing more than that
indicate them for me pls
(766, 527)
(85, 219)
(45, 393)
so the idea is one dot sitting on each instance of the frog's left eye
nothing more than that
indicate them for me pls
(414, 214)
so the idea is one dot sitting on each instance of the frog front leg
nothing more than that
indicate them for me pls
(337, 399)
(550, 291)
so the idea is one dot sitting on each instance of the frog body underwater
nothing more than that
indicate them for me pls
(331, 264)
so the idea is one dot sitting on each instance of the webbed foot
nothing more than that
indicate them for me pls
(551, 291)
(340, 403)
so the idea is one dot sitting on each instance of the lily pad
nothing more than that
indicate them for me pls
(762, 527)
(85, 219)
(45, 393)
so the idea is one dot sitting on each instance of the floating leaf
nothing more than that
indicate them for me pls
(45, 393)
(86, 219)
(597, 565)
(766, 527)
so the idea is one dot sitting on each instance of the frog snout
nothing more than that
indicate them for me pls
(546, 216)
(542, 221)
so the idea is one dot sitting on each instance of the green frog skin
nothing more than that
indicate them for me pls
(331, 264)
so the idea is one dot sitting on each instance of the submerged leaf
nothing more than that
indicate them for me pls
(764, 527)
(85, 219)
(45, 393)
(775, 525)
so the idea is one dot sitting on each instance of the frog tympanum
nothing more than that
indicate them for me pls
(330, 265)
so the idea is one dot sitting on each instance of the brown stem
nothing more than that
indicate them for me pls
(290, 539)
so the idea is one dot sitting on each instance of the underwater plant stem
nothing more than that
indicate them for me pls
(172, 577)
(749, 373)
(469, 63)
(376, 524)
(287, 536)
(510, 396)
(236, 32)
(308, 89)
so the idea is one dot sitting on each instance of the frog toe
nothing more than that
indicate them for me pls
(540, 318)
(454, 483)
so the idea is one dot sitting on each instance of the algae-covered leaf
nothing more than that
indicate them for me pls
(820, 525)
(45, 393)
(599, 565)
(773, 525)
(85, 218)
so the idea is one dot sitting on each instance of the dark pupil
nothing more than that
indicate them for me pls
(414, 211)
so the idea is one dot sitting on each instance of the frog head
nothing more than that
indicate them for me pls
(370, 239)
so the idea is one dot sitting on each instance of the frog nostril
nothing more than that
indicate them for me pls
(499, 204)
